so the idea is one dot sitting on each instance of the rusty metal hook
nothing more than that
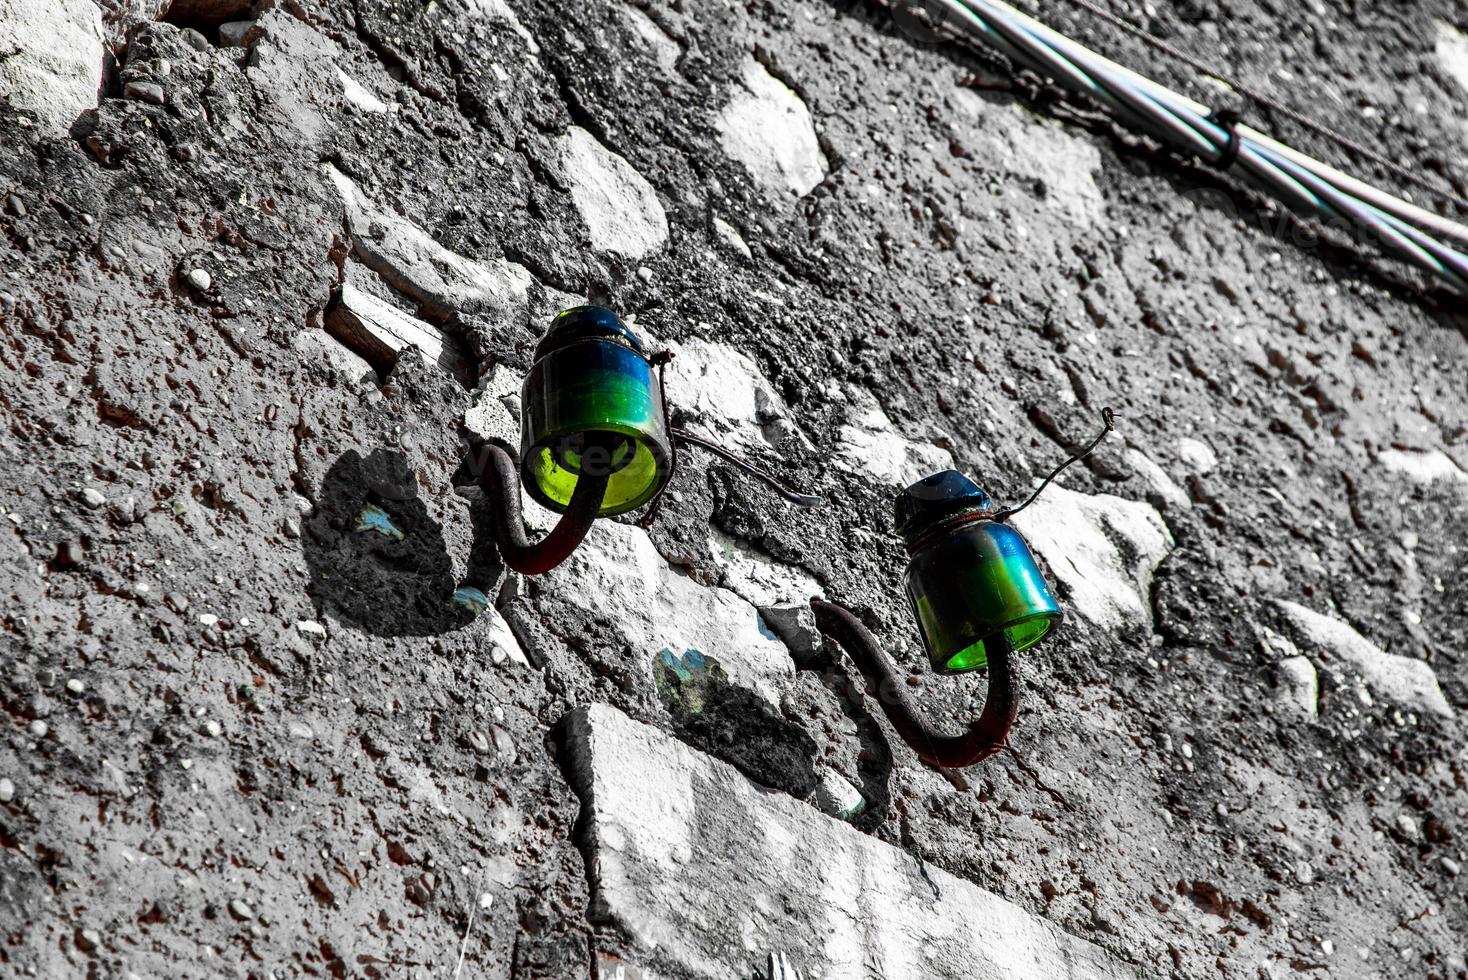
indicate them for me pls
(985, 736)
(496, 472)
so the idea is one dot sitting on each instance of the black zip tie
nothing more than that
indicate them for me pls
(1109, 420)
(1228, 120)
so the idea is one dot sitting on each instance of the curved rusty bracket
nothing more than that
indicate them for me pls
(497, 474)
(985, 737)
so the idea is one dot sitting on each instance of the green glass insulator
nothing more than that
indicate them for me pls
(970, 579)
(590, 402)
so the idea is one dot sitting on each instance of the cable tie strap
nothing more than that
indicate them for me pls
(1228, 120)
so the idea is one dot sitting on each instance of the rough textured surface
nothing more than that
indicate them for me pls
(620, 208)
(708, 875)
(1404, 681)
(768, 129)
(247, 729)
(1104, 550)
(50, 61)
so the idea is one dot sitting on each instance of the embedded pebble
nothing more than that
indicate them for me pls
(75, 686)
(240, 909)
(478, 742)
(504, 745)
(39, 728)
(768, 128)
(1197, 456)
(236, 33)
(150, 92)
(7, 791)
(212, 728)
(621, 210)
(1407, 827)
(93, 498)
(1299, 684)
(310, 627)
(837, 797)
(200, 280)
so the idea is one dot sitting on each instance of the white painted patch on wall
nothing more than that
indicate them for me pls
(767, 128)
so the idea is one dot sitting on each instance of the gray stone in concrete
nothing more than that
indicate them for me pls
(1078, 534)
(870, 444)
(621, 210)
(408, 258)
(1157, 478)
(379, 332)
(663, 48)
(707, 873)
(1404, 681)
(1452, 53)
(767, 128)
(618, 575)
(1027, 146)
(1299, 684)
(723, 390)
(1425, 466)
(50, 59)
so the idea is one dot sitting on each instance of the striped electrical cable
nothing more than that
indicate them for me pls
(1427, 240)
